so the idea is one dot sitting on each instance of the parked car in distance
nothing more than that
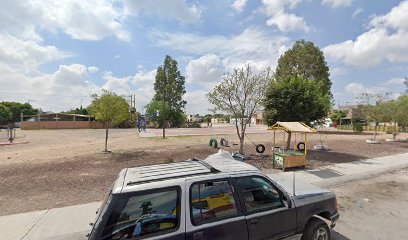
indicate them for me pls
(216, 198)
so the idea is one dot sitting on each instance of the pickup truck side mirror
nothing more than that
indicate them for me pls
(286, 201)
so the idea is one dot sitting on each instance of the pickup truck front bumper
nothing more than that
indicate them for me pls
(333, 219)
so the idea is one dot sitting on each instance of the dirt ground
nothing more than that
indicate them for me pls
(375, 208)
(66, 167)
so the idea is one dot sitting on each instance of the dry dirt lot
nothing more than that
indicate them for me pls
(376, 208)
(66, 167)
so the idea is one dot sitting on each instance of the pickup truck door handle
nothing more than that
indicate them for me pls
(198, 235)
(254, 220)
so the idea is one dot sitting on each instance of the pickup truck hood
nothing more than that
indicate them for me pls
(301, 187)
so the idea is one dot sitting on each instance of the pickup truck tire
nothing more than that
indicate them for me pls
(316, 229)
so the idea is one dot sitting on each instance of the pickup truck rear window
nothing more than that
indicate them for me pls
(211, 201)
(143, 215)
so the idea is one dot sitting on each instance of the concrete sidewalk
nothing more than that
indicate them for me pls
(72, 222)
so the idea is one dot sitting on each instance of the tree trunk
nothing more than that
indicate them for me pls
(106, 137)
(394, 135)
(288, 140)
(375, 130)
(241, 144)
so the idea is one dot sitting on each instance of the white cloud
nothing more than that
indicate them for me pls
(26, 55)
(58, 91)
(384, 41)
(206, 70)
(117, 56)
(276, 10)
(117, 84)
(395, 81)
(239, 5)
(255, 46)
(145, 77)
(287, 22)
(357, 89)
(357, 12)
(197, 102)
(93, 69)
(337, 3)
(80, 19)
(171, 9)
(396, 19)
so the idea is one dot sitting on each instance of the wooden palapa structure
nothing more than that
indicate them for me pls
(286, 158)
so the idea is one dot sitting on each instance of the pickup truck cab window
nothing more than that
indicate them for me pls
(258, 194)
(211, 201)
(144, 215)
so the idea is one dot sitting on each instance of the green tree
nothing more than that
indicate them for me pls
(335, 116)
(402, 115)
(296, 100)
(17, 108)
(110, 109)
(307, 61)
(5, 114)
(82, 111)
(240, 94)
(177, 117)
(169, 87)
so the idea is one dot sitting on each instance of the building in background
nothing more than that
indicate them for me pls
(59, 121)
(352, 112)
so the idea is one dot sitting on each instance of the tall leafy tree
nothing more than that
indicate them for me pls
(17, 108)
(336, 116)
(307, 61)
(295, 100)
(240, 94)
(375, 110)
(5, 114)
(110, 109)
(300, 89)
(169, 88)
(177, 117)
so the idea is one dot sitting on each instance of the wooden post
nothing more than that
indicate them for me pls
(273, 148)
(294, 146)
(305, 144)
(284, 141)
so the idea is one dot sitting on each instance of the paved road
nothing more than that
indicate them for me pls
(375, 208)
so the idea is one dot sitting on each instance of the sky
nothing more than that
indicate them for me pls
(54, 54)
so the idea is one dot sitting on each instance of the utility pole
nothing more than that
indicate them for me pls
(164, 101)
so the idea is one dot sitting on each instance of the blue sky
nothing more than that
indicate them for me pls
(56, 53)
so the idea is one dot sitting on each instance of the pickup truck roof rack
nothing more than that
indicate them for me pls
(159, 172)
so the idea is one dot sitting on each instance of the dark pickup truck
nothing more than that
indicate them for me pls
(217, 198)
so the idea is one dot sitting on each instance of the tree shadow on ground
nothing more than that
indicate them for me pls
(333, 157)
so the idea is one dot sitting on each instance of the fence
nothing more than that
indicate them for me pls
(380, 128)
(35, 125)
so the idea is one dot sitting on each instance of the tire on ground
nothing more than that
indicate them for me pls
(260, 148)
(315, 226)
(213, 143)
(224, 142)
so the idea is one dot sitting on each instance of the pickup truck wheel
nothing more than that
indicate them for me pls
(316, 229)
